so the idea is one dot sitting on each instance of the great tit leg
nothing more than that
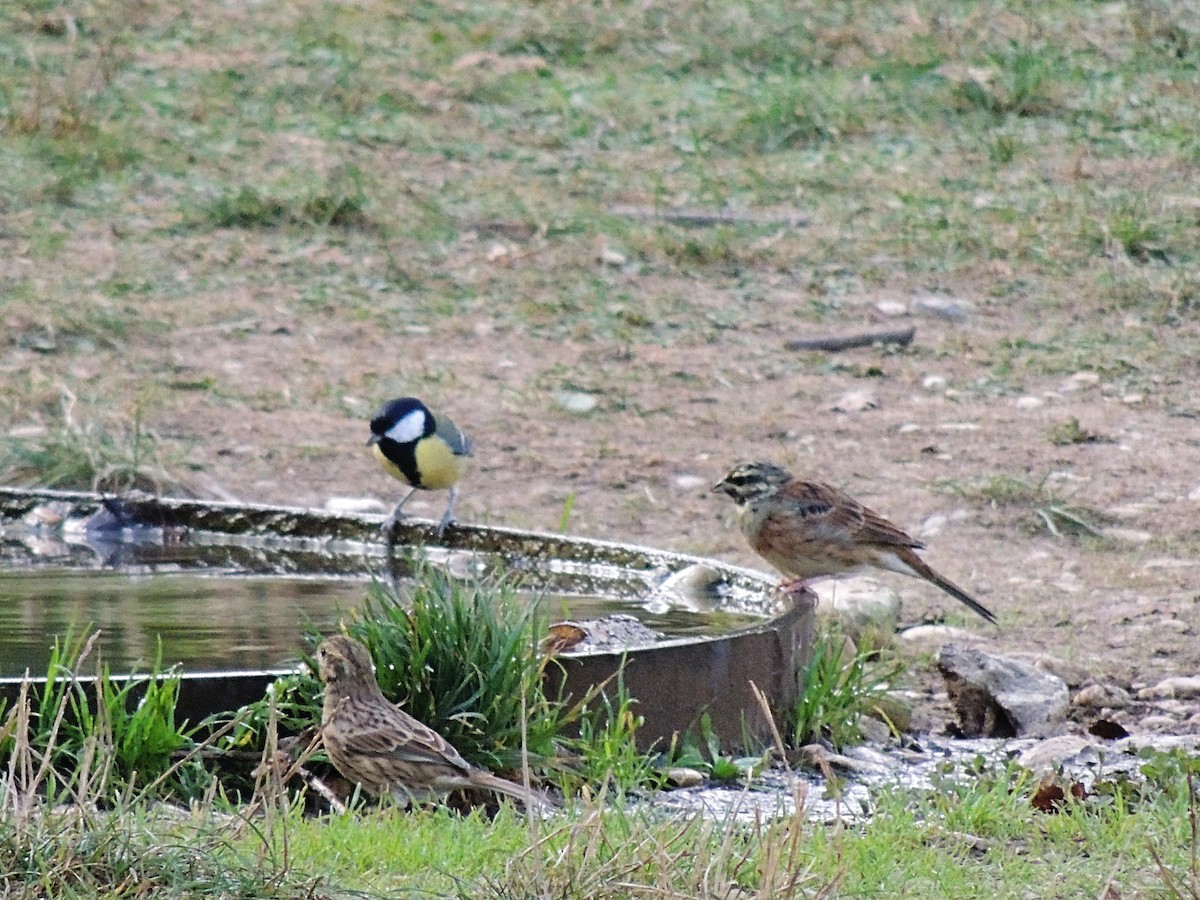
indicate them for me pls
(394, 519)
(448, 515)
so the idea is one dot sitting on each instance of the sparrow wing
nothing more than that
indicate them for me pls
(403, 737)
(836, 516)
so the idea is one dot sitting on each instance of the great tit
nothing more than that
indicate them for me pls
(427, 452)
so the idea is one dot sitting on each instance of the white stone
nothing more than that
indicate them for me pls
(855, 401)
(1029, 402)
(1050, 754)
(1079, 381)
(930, 636)
(1102, 696)
(610, 257)
(1170, 688)
(352, 506)
(933, 382)
(1128, 535)
(860, 605)
(576, 401)
(891, 308)
(941, 307)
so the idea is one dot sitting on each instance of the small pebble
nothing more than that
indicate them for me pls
(933, 382)
(1102, 696)
(855, 401)
(576, 402)
(1169, 688)
(891, 308)
(1079, 381)
(683, 777)
(1128, 535)
(941, 308)
(351, 506)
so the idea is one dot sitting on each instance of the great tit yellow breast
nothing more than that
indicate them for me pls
(437, 463)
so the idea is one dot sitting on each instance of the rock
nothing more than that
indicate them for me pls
(999, 697)
(1169, 688)
(867, 610)
(1053, 753)
(1128, 535)
(893, 710)
(817, 757)
(1167, 562)
(1101, 696)
(1175, 708)
(934, 382)
(929, 636)
(352, 506)
(683, 777)
(1028, 402)
(576, 402)
(690, 482)
(873, 730)
(941, 308)
(1079, 381)
(870, 756)
(615, 632)
(855, 401)
(936, 524)
(693, 587)
(1176, 625)
(891, 308)
(609, 257)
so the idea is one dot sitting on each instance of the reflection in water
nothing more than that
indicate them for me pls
(205, 623)
(209, 623)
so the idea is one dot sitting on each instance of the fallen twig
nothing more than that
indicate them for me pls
(699, 218)
(833, 343)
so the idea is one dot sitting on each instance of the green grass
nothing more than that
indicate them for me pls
(74, 822)
(841, 684)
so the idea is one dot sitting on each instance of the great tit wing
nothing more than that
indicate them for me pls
(458, 442)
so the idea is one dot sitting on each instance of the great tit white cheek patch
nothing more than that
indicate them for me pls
(407, 429)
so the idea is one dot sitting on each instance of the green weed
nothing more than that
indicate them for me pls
(607, 743)
(90, 454)
(101, 736)
(341, 204)
(1021, 80)
(840, 686)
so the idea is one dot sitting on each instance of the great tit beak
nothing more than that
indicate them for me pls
(373, 439)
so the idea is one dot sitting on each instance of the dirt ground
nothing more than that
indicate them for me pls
(670, 419)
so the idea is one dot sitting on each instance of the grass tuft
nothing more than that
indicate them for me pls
(90, 455)
(841, 684)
